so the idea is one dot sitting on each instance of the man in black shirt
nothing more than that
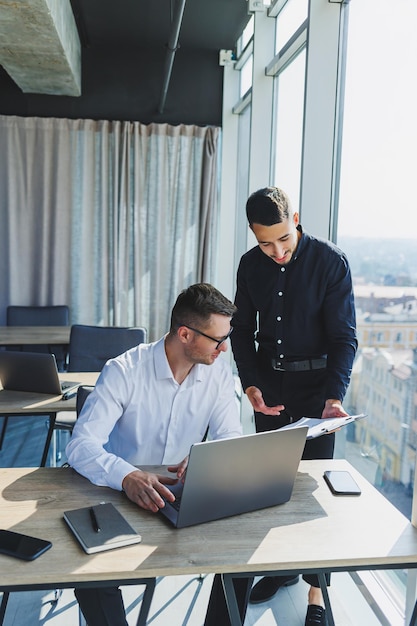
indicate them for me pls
(295, 301)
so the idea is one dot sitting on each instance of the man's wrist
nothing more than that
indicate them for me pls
(333, 401)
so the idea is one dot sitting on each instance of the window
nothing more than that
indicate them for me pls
(374, 229)
(289, 95)
(289, 20)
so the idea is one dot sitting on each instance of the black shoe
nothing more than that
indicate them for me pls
(316, 616)
(267, 587)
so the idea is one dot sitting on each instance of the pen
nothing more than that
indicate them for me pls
(94, 520)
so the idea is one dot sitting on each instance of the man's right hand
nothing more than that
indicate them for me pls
(146, 489)
(257, 401)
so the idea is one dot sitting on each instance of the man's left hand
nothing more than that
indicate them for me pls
(333, 408)
(179, 469)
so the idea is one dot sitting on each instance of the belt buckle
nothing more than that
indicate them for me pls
(276, 367)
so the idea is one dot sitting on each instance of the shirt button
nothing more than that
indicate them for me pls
(282, 269)
(279, 318)
(279, 341)
(280, 293)
(281, 356)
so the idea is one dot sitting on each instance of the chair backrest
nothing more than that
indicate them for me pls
(37, 315)
(91, 346)
(58, 315)
(83, 392)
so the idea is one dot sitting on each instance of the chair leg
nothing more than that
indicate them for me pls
(146, 602)
(3, 430)
(3, 606)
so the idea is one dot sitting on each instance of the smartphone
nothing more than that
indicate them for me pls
(22, 546)
(341, 483)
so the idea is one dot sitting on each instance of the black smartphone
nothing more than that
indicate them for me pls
(22, 546)
(341, 483)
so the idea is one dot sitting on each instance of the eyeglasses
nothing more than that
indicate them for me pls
(218, 341)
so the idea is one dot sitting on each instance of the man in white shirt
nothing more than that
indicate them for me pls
(149, 406)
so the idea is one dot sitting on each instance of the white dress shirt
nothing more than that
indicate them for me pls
(139, 415)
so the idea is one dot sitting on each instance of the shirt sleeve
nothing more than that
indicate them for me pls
(340, 326)
(86, 451)
(224, 420)
(244, 324)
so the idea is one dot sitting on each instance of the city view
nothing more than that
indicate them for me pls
(384, 379)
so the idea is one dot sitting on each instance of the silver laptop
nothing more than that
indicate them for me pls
(230, 476)
(32, 371)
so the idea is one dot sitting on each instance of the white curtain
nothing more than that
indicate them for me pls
(111, 218)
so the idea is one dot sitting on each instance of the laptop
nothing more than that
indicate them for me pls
(32, 371)
(230, 476)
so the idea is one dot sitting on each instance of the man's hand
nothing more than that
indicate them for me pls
(146, 489)
(257, 401)
(179, 469)
(333, 408)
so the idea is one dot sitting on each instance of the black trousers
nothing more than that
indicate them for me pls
(217, 613)
(303, 395)
(103, 606)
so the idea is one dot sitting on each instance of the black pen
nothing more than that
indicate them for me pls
(94, 520)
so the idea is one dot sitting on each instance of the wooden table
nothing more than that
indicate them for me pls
(14, 403)
(35, 335)
(313, 532)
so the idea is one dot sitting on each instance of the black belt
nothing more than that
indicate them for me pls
(299, 366)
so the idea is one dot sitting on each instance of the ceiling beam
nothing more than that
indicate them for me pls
(39, 46)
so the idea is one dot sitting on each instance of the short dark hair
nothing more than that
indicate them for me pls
(195, 304)
(268, 206)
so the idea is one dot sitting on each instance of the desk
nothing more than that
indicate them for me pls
(27, 403)
(364, 532)
(35, 335)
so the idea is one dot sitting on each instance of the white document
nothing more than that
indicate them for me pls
(318, 426)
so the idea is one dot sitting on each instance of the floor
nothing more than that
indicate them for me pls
(178, 601)
(182, 601)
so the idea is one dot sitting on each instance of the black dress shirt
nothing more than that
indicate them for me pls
(297, 311)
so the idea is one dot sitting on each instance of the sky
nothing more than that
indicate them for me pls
(379, 162)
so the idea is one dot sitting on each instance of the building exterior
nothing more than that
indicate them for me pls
(384, 386)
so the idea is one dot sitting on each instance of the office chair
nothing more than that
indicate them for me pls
(89, 349)
(37, 316)
(91, 346)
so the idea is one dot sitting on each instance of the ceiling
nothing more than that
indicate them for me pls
(125, 67)
(209, 24)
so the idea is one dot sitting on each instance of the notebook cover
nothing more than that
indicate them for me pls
(115, 531)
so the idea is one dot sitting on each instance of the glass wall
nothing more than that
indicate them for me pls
(377, 228)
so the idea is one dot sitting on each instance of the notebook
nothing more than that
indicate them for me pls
(32, 371)
(230, 476)
(101, 527)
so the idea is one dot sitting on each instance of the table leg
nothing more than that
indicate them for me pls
(230, 595)
(146, 601)
(3, 605)
(52, 418)
(3, 430)
(323, 586)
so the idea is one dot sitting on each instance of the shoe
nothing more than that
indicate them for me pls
(267, 587)
(316, 616)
